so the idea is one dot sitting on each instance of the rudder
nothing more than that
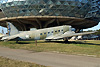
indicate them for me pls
(12, 30)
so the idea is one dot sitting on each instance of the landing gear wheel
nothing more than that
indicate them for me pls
(16, 41)
(66, 40)
(47, 40)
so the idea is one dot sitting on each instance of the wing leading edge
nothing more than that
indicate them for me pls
(67, 34)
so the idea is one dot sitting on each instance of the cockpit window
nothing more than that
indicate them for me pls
(72, 29)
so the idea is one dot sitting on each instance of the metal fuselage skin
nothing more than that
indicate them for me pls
(41, 34)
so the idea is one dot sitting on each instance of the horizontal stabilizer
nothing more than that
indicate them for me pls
(9, 37)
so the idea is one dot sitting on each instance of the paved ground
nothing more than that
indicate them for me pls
(50, 59)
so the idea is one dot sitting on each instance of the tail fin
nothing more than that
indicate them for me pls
(12, 30)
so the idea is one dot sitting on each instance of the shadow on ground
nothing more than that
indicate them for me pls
(24, 43)
(72, 42)
(69, 42)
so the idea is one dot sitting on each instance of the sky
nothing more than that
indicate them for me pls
(12, 0)
(4, 1)
(97, 27)
(4, 29)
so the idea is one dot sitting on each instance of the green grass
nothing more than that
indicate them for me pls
(5, 62)
(91, 48)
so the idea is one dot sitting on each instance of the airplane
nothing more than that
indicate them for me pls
(52, 33)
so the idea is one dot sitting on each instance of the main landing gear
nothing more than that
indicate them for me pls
(17, 41)
(66, 40)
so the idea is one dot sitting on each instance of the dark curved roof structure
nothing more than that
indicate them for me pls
(46, 13)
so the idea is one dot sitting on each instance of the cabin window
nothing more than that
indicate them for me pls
(44, 33)
(55, 31)
(58, 30)
(40, 33)
(48, 32)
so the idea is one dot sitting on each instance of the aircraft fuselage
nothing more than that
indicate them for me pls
(41, 34)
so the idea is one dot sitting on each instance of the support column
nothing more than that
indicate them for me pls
(49, 22)
(29, 22)
(22, 25)
(58, 22)
(39, 22)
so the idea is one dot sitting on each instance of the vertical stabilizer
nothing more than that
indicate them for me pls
(12, 30)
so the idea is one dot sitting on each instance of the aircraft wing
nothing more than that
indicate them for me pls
(52, 36)
(68, 34)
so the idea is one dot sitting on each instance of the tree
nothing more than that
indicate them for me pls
(98, 32)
